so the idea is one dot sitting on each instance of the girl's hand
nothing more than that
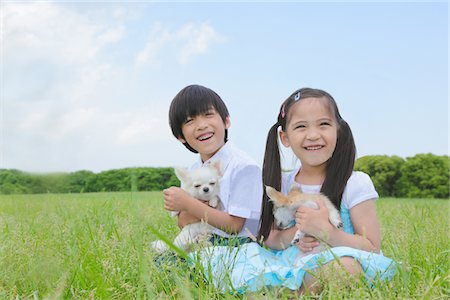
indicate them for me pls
(176, 199)
(307, 244)
(314, 222)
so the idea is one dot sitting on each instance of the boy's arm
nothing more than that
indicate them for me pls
(219, 219)
(185, 219)
(176, 199)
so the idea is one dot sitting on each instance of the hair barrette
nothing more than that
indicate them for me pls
(282, 112)
(297, 96)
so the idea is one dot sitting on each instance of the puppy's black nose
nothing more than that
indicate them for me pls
(206, 189)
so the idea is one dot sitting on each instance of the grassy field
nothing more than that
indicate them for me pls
(95, 246)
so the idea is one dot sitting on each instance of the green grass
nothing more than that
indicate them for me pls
(87, 246)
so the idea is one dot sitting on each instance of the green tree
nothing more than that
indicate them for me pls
(81, 182)
(425, 176)
(383, 170)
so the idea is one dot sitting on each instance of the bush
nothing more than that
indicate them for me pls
(120, 180)
(424, 176)
(384, 171)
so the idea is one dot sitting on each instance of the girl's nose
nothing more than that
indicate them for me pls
(313, 135)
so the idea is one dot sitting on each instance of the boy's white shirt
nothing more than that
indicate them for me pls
(240, 187)
(359, 188)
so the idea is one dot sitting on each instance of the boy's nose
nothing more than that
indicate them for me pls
(201, 123)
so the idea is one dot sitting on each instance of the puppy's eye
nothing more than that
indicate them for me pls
(197, 186)
(212, 183)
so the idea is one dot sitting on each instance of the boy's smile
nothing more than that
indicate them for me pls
(205, 136)
(205, 133)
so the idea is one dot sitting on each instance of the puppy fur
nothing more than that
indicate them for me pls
(285, 207)
(202, 184)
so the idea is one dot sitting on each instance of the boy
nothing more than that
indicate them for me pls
(200, 120)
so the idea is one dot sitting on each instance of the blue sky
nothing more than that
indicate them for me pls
(88, 85)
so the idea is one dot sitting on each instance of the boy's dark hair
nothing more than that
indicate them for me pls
(192, 101)
(339, 167)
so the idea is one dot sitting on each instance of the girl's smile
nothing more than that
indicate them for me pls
(313, 148)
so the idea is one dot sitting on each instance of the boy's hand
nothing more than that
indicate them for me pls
(175, 199)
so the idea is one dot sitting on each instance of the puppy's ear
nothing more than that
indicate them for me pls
(295, 187)
(217, 165)
(276, 197)
(182, 174)
(295, 190)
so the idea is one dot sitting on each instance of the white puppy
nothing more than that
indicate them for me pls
(202, 184)
(285, 207)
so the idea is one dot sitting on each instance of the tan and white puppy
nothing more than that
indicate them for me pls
(202, 184)
(285, 207)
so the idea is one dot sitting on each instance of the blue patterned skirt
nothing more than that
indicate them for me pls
(252, 267)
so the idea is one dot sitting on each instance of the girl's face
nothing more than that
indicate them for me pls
(205, 133)
(311, 131)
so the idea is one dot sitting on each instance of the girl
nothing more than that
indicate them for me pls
(310, 124)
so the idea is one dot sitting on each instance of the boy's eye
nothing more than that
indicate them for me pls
(325, 124)
(188, 120)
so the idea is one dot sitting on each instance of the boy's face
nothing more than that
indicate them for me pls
(205, 133)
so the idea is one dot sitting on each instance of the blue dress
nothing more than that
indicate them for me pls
(251, 267)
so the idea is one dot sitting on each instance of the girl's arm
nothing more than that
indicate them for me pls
(280, 238)
(364, 219)
(179, 200)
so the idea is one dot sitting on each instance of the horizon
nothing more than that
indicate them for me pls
(163, 167)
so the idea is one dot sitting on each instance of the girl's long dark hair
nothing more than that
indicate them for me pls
(339, 166)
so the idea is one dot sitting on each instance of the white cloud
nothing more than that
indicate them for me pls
(46, 31)
(158, 38)
(69, 103)
(198, 40)
(143, 128)
(189, 40)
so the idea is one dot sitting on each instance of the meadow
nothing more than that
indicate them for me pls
(96, 246)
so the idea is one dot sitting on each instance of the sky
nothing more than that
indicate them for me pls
(87, 85)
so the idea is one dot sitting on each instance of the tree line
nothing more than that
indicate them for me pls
(420, 176)
(119, 180)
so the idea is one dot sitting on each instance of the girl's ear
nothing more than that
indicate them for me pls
(284, 139)
(227, 123)
(181, 140)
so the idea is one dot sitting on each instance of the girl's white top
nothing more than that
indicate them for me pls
(240, 187)
(359, 188)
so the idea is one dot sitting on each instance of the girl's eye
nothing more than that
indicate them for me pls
(189, 120)
(325, 124)
(300, 126)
